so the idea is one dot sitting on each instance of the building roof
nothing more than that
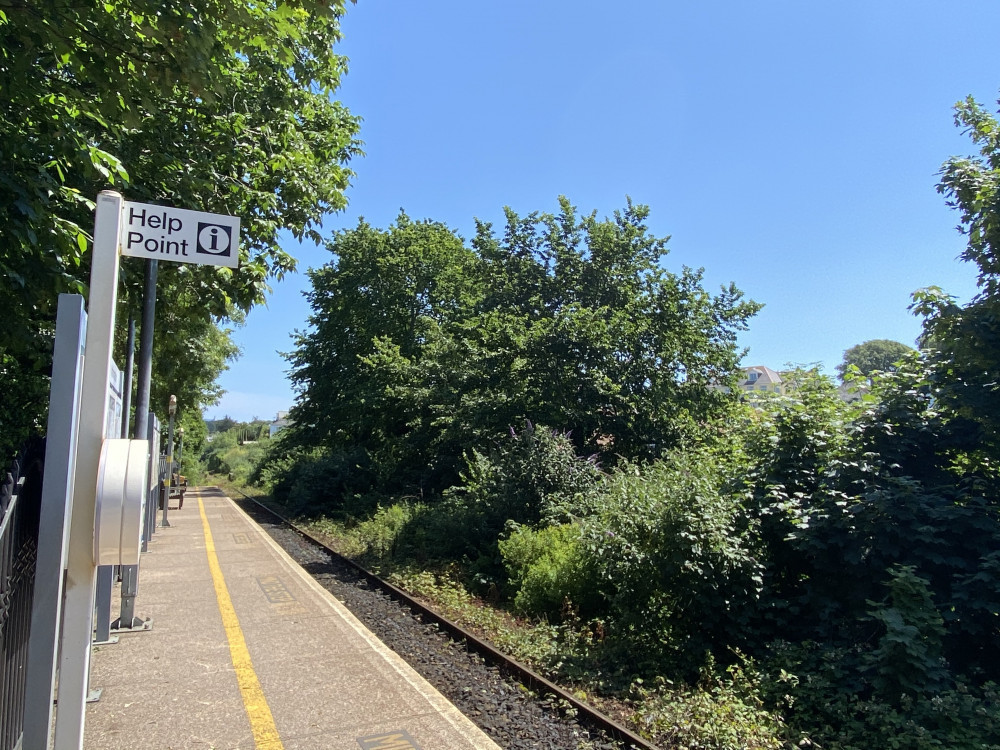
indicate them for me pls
(759, 374)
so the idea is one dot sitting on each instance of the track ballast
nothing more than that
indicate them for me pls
(517, 708)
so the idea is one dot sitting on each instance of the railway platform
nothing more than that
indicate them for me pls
(246, 650)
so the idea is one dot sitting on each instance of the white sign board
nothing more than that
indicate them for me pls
(179, 235)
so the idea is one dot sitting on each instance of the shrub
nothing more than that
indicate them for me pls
(720, 713)
(846, 496)
(830, 699)
(531, 476)
(548, 571)
(674, 558)
(908, 658)
(229, 457)
(377, 537)
(318, 482)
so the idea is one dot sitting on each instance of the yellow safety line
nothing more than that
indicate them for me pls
(265, 734)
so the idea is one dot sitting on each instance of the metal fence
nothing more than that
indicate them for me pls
(20, 501)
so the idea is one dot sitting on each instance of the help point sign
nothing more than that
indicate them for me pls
(180, 235)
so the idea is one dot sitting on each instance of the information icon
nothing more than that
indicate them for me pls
(214, 239)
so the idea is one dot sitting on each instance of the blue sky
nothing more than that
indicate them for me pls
(790, 147)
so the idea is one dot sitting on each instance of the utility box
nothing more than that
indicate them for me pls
(122, 483)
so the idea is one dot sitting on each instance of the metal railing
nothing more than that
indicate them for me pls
(20, 501)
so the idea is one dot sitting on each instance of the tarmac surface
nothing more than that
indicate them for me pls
(246, 650)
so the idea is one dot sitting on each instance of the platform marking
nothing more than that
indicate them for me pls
(265, 733)
(392, 741)
(275, 590)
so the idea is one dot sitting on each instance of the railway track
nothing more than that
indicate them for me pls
(516, 706)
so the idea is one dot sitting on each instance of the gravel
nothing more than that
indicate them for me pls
(514, 717)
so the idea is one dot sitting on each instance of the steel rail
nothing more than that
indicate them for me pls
(484, 648)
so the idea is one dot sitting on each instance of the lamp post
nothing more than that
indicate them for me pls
(171, 410)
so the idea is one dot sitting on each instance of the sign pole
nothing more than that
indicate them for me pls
(146, 348)
(81, 571)
(130, 573)
(129, 367)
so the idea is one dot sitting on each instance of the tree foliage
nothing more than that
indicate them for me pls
(190, 352)
(884, 484)
(876, 355)
(422, 348)
(966, 338)
(225, 107)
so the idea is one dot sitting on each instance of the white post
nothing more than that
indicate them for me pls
(81, 572)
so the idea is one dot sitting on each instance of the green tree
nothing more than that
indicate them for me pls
(876, 355)
(601, 340)
(226, 107)
(378, 307)
(846, 493)
(190, 353)
(965, 339)
(422, 348)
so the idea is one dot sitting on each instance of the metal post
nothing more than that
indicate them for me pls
(130, 573)
(105, 586)
(126, 617)
(56, 509)
(149, 525)
(180, 453)
(145, 349)
(171, 411)
(129, 366)
(81, 571)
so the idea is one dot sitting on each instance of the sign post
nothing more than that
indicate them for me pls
(81, 568)
(137, 230)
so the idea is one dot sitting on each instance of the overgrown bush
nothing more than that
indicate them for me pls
(319, 482)
(228, 455)
(829, 695)
(719, 712)
(674, 558)
(375, 539)
(846, 497)
(908, 658)
(548, 570)
(529, 476)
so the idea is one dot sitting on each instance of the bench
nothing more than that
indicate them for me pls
(177, 487)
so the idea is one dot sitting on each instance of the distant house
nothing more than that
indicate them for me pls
(761, 379)
(280, 422)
